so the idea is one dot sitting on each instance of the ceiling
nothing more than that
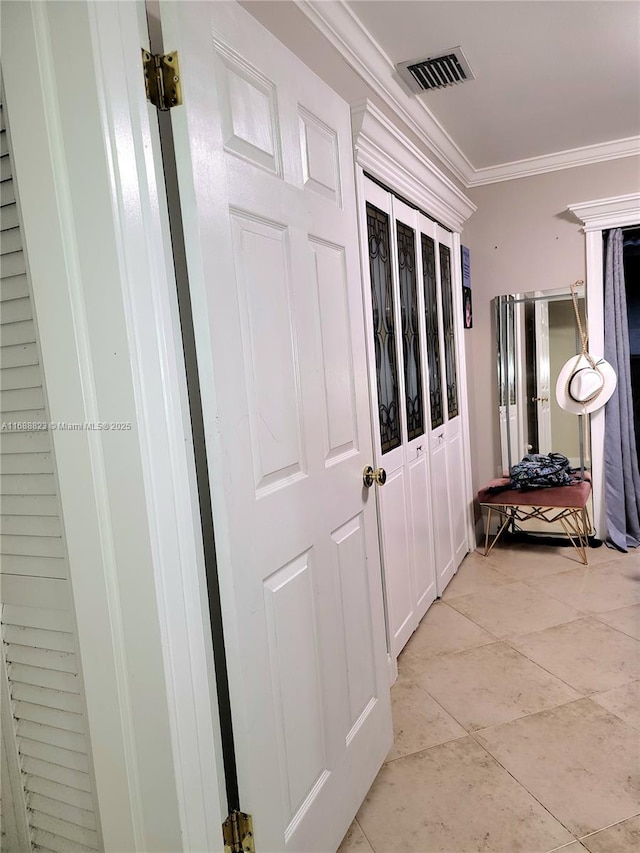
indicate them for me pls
(550, 76)
(557, 81)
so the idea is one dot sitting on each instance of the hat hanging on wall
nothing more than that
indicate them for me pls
(586, 382)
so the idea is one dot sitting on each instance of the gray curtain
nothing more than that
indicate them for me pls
(622, 480)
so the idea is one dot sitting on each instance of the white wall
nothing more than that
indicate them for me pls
(523, 238)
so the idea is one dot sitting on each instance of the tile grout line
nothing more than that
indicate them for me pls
(610, 826)
(366, 837)
(509, 641)
(613, 627)
(524, 788)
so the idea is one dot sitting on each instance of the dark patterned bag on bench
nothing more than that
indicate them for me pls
(539, 471)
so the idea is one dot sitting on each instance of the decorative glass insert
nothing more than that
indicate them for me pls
(449, 331)
(433, 330)
(384, 327)
(410, 329)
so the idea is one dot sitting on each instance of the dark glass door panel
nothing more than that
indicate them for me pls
(449, 332)
(410, 329)
(384, 327)
(433, 331)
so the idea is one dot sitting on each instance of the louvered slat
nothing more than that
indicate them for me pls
(25, 441)
(56, 826)
(19, 355)
(13, 264)
(48, 698)
(16, 286)
(72, 741)
(26, 463)
(22, 332)
(52, 568)
(7, 193)
(29, 484)
(13, 378)
(56, 791)
(73, 814)
(71, 759)
(54, 773)
(36, 592)
(32, 546)
(11, 241)
(30, 525)
(29, 504)
(20, 436)
(23, 416)
(34, 617)
(51, 678)
(58, 641)
(56, 844)
(42, 658)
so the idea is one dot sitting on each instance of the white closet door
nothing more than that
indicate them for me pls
(395, 337)
(43, 674)
(382, 312)
(408, 267)
(263, 150)
(448, 489)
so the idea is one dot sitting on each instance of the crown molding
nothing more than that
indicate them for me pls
(615, 212)
(343, 29)
(385, 152)
(584, 156)
(335, 20)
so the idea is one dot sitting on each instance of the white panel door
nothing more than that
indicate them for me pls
(263, 150)
(382, 311)
(395, 325)
(408, 269)
(442, 313)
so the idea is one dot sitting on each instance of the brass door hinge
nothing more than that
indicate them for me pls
(237, 831)
(162, 79)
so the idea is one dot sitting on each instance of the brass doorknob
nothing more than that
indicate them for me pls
(369, 476)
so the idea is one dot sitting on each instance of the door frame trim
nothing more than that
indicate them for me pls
(598, 216)
(104, 294)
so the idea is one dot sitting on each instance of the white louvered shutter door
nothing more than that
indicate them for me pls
(46, 732)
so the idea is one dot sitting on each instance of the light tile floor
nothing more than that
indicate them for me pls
(516, 713)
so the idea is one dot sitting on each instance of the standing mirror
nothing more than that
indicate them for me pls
(536, 334)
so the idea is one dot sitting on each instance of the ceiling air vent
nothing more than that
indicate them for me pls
(436, 72)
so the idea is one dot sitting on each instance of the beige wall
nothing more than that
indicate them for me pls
(523, 238)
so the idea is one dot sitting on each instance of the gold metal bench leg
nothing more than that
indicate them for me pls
(507, 519)
(573, 525)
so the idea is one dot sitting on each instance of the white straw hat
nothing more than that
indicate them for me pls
(585, 384)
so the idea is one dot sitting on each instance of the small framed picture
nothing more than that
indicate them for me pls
(467, 307)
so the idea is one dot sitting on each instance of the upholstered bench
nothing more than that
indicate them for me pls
(566, 504)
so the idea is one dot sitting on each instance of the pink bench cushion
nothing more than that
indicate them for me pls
(574, 497)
